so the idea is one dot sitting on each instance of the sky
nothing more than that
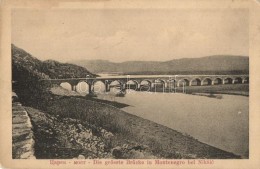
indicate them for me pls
(121, 35)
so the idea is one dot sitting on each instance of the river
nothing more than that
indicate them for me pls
(223, 123)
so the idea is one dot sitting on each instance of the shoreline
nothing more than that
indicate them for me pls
(129, 115)
(169, 116)
(238, 89)
(129, 131)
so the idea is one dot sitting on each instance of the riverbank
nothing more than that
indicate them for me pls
(157, 141)
(68, 127)
(217, 119)
(68, 138)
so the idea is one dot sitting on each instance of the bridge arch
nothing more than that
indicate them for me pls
(116, 86)
(66, 85)
(145, 85)
(218, 81)
(146, 80)
(99, 86)
(159, 83)
(183, 82)
(206, 82)
(116, 82)
(132, 84)
(195, 82)
(228, 80)
(238, 80)
(82, 87)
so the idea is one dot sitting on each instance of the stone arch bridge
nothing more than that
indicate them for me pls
(150, 81)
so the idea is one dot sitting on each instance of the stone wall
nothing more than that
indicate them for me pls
(22, 134)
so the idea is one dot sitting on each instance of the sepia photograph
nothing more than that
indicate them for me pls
(130, 84)
(121, 85)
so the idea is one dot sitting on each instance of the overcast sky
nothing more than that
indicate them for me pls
(130, 34)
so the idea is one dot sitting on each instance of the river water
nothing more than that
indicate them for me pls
(223, 123)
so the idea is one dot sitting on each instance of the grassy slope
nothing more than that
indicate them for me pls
(162, 141)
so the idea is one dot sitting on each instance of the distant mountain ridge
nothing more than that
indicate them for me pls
(216, 64)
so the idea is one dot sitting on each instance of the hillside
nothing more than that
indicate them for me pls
(25, 66)
(218, 64)
(93, 129)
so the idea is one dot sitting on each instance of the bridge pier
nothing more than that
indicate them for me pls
(152, 85)
(107, 87)
(74, 88)
(172, 86)
(165, 85)
(90, 89)
(123, 87)
(178, 84)
(138, 87)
